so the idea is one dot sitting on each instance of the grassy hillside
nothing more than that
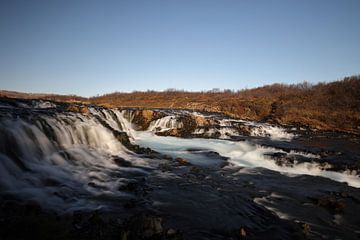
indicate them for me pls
(326, 106)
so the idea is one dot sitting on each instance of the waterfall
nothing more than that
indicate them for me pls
(62, 160)
(165, 123)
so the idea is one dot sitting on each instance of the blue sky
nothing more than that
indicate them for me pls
(94, 47)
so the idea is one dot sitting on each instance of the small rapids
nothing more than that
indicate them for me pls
(165, 123)
(244, 153)
(241, 154)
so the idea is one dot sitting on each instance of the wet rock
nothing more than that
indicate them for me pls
(345, 194)
(129, 187)
(149, 153)
(195, 169)
(130, 204)
(331, 203)
(143, 118)
(188, 126)
(281, 159)
(173, 234)
(50, 182)
(143, 227)
(167, 157)
(171, 132)
(165, 167)
(183, 161)
(122, 162)
(122, 137)
(244, 130)
(32, 207)
(91, 184)
(77, 220)
(202, 121)
(213, 154)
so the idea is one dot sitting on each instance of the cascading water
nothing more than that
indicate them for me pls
(62, 160)
(242, 154)
(165, 123)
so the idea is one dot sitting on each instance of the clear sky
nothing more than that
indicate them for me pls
(93, 47)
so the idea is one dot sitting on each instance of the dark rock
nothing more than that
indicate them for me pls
(281, 159)
(129, 187)
(331, 203)
(183, 161)
(195, 169)
(143, 118)
(122, 162)
(130, 204)
(165, 167)
(244, 130)
(143, 226)
(167, 157)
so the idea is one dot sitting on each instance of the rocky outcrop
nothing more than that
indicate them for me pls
(244, 130)
(202, 121)
(143, 118)
(78, 109)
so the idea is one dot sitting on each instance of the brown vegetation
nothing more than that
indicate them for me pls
(327, 106)
(78, 109)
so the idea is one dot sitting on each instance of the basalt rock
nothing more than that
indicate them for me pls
(143, 118)
(244, 130)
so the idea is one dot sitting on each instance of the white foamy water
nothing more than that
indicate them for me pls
(276, 133)
(43, 104)
(165, 123)
(261, 129)
(240, 154)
